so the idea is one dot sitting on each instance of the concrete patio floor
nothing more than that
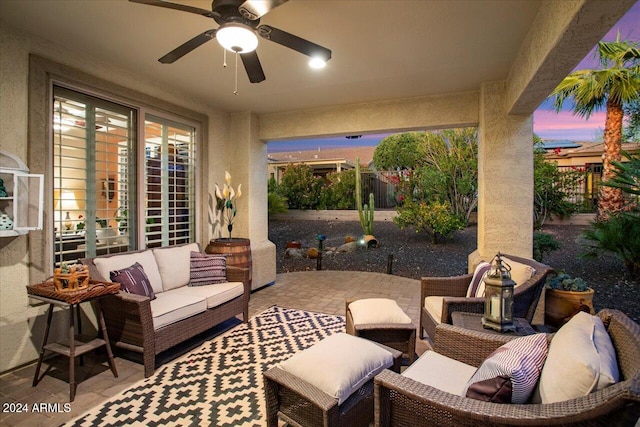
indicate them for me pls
(321, 291)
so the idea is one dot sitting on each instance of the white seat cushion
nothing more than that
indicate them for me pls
(119, 262)
(170, 307)
(339, 364)
(434, 307)
(377, 310)
(581, 360)
(440, 372)
(174, 264)
(214, 294)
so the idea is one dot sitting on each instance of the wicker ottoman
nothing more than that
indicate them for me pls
(383, 321)
(300, 403)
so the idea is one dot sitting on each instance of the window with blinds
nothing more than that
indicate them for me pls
(99, 206)
(169, 182)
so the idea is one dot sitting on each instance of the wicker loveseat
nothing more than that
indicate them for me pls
(136, 323)
(454, 289)
(401, 401)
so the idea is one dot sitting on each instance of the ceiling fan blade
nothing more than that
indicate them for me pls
(254, 9)
(187, 47)
(252, 66)
(176, 6)
(294, 42)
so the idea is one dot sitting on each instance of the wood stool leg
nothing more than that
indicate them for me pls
(44, 342)
(105, 336)
(72, 356)
(79, 328)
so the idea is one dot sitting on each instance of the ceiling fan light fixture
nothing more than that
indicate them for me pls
(317, 62)
(237, 38)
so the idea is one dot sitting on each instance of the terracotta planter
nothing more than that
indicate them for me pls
(370, 241)
(560, 306)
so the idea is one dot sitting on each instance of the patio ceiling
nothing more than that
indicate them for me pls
(381, 49)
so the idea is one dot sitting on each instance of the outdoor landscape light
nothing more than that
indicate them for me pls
(237, 38)
(498, 293)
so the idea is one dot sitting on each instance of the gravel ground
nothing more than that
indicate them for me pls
(415, 256)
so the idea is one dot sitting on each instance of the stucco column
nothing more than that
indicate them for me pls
(248, 156)
(505, 178)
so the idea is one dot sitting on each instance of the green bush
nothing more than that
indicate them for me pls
(543, 243)
(276, 203)
(340, 191)
(433, 218)
(551, 188)
(620, 235)
(300, 187)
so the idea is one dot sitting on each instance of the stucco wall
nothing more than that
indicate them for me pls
(21, 324)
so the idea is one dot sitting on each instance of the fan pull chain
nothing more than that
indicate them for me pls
(235, 92)
(224, 58)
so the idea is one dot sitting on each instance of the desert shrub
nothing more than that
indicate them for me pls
(620, 235)
(339, 193)
(543, 243)
(301, 188)
(552, 188)
(276, 203)
(434, 218)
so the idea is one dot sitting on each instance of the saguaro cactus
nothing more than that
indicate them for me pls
(365, 212)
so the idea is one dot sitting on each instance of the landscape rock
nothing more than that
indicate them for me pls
(312, 253)
(294, 253)
(348, 247)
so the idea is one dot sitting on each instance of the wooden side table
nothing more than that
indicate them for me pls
(77, 344)
(473, 321)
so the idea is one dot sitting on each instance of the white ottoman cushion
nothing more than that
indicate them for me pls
(377, 310)
(339, 364)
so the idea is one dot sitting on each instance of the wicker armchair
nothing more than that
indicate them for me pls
(401, 401)
(454, 289)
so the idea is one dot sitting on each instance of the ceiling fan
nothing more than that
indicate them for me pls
(238, 20)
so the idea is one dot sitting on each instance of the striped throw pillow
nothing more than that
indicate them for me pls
(511, 373)
(207, 269)
(133, 280)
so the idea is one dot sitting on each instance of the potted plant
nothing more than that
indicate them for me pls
(564, 297)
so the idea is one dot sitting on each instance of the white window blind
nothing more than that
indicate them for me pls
(169, 182)
(91, 181)
(100, 207)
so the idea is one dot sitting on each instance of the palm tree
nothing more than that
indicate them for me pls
(615, 85)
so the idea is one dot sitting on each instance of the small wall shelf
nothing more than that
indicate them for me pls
(21, 197)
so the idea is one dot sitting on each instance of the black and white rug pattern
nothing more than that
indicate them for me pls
(219, 383)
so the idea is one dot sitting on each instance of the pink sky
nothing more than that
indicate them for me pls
(564, 125)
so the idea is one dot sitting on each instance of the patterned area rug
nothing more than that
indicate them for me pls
(219, 383)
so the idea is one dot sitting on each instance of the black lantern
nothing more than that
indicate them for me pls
(498, 293)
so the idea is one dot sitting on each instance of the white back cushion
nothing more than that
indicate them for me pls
(119, 262)
(581, 360)
(520, 273)
(174, 264)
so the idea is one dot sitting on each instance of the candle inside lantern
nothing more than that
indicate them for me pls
(495, 306)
